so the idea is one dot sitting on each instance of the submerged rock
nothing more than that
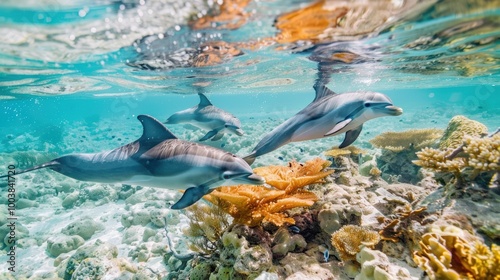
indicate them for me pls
(60, 244)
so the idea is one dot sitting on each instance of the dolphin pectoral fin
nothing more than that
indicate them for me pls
(338, 127)
(351, 136)
(209, 135)
(217, 136)
(249, 159)
(189, 197)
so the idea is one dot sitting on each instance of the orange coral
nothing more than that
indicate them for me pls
(252, 205)
(229, 15)
(295, 175)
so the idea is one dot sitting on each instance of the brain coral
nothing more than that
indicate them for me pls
(458, 128)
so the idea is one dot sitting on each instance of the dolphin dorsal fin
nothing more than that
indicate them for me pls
(322, 91)
(153, 131)
(204, 101)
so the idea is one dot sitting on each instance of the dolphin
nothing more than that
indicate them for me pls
(207, 116)
(327, 115)
(158, 159)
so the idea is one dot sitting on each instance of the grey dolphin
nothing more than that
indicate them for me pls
(207, 116)
(329, 114)
(158, 159)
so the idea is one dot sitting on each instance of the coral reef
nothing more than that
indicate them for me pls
(448, 252)
(459, 127)
(394, 229)
(352, 151)
(296, 175)
(350, 238)
(398, 151)
(252, 205)
(467, 161)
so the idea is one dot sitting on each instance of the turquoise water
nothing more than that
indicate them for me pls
(68, 82)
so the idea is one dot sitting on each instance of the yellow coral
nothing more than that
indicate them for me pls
(436, 160)
(349, 239)
(450, 253)
(457, 129)
(349, 150)
(484, 153)
(413, 139)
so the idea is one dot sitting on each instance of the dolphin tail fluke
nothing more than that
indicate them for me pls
(45, 165)
(189, 197)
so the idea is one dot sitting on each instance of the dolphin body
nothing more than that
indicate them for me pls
(329, 114)
(158, 159)
(208, 117)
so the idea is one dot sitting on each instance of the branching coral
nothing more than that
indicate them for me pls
(413, 139)
(476, 154)
(457, 129)
(349, 240)
(207, 223)
(252, 205)
(296, 175)
(449, 253)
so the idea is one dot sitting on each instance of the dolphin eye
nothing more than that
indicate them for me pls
(368, 104)
(226, 176)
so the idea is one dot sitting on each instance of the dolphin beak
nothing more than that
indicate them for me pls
(239, 132)
(254, 179)
(393, 110)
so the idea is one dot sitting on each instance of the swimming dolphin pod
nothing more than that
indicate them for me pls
(158, 159)
(327, 115)
(206, 116)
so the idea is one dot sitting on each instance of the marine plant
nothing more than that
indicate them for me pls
(253, 205)
(448, 252)
(207, 223)
(349, 240)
